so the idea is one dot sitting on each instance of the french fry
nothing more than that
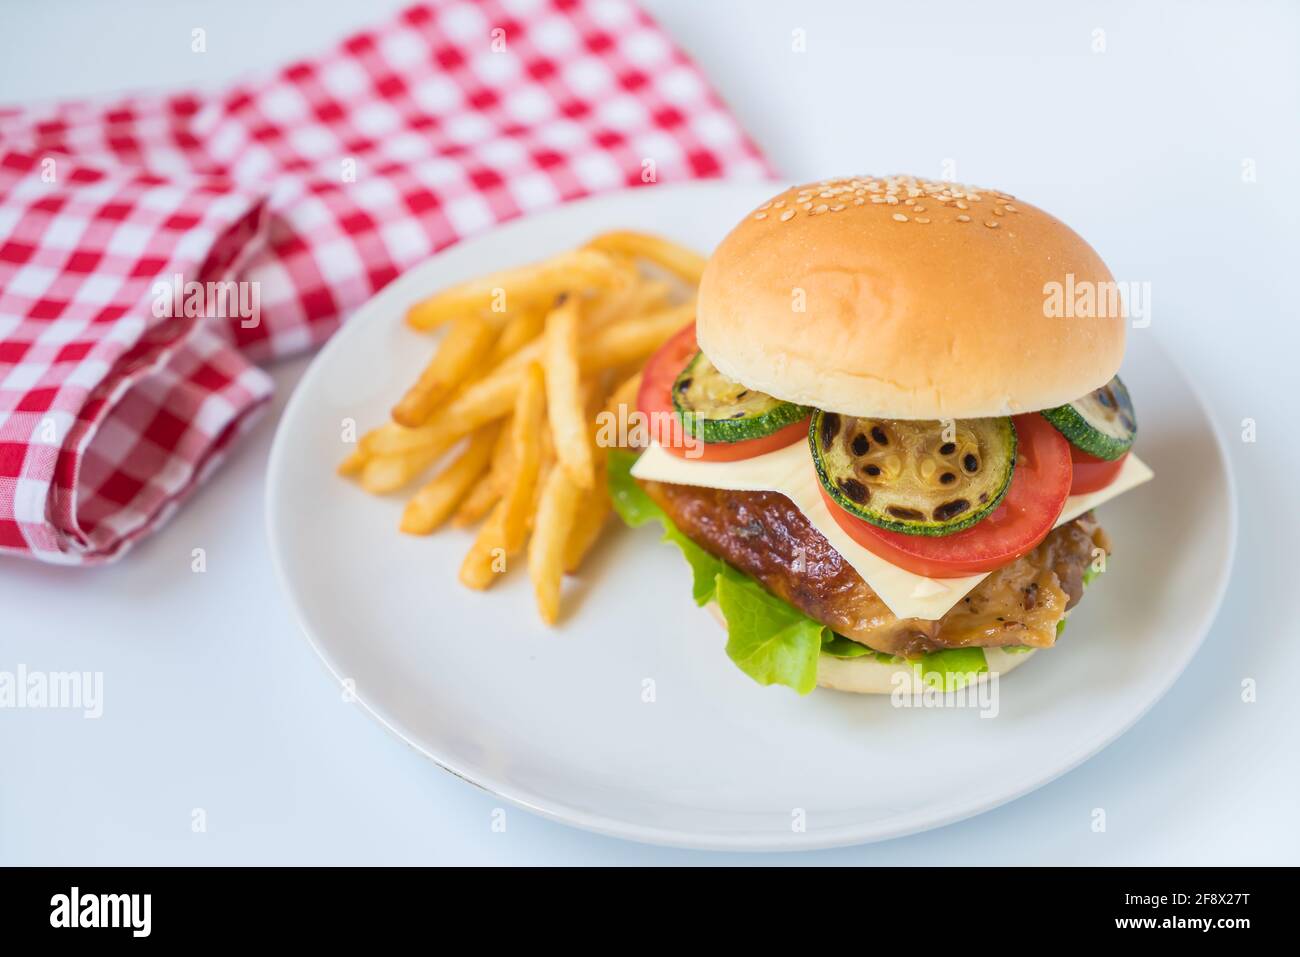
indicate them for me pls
(466, 344)
(487, 493)
(588, 523)
(555, 514)
(386, 439)
(354, 463)
(481, 500)
(652, 296)
(491, 397)
(526, 429)
(533, 359)
(486, 558)
(604, 309)
(387, 473)
(506, 529)
(547, 460)
(522, 329)
(634, 300)
(633, 339)
(594, 506)
(525, 286)
(564, 398)
(393, 439)
(503, 459)
(625, 394)
(617, 414)
(685, 263)
(477, 404)
(389, 439)
(435, 501)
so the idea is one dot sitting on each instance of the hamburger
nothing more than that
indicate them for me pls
(876, 446)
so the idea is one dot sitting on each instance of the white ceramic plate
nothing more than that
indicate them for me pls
(557, 721)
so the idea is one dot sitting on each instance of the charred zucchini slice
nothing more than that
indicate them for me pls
(717, 409)
(915, 477)
(1102, 423)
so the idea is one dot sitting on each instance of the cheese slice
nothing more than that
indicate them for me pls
(790, 472)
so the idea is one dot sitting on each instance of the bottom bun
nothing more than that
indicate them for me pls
(867, 675)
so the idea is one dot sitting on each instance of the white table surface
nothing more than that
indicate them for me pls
(212, 698)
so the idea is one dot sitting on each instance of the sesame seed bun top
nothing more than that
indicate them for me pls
(907, 298)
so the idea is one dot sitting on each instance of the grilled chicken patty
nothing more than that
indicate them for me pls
(765, 536)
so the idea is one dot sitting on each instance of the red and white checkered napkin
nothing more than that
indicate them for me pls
(319, 184)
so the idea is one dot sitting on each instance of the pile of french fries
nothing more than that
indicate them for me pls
(528, 360)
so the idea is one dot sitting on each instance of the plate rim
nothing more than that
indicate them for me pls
(845, 835)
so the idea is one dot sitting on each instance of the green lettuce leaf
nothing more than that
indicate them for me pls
(766, 637)
(837, 646)
(631, 502)
(952, 668)
(704, 567)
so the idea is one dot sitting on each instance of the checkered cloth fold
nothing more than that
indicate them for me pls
(153, 249)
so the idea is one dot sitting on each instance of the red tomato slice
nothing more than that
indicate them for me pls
(1039, 488)
(654, 400)
(1092, 474)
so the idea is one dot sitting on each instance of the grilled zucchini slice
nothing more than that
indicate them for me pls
(909, 476)
(1102, 423)
(717, 409)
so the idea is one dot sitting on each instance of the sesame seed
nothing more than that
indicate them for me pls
(837, 195)
(760, 215)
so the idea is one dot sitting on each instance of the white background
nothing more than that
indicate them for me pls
(213, 700)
